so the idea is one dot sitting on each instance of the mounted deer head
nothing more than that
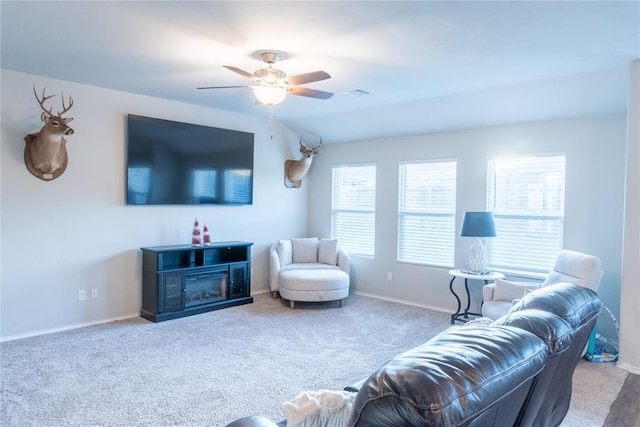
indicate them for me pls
(45, 152)
(295, 170)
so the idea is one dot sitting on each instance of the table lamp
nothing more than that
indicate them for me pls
(478, 225)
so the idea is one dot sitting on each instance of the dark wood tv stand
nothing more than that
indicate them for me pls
(183, 280)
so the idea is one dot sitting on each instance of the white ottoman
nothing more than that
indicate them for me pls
(313, 285)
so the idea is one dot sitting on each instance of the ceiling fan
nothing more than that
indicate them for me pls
(272, 85)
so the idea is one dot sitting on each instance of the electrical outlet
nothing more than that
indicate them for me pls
(94, 293)
(82, 295)
(389, 276)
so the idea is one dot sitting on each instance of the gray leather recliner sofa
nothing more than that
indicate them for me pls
(515, 371)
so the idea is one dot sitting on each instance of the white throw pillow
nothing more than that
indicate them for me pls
(323, 408)
(305, 250)
(285, 253)
(509, 291)
(328, 251)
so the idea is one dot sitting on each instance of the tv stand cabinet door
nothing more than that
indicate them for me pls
(171, 292)
(239, 280)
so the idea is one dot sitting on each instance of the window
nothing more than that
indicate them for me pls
(526, 196)
(353, 208)
(427, 212)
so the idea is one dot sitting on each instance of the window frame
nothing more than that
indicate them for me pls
(546, 248)
(345, 241)
(428, 213)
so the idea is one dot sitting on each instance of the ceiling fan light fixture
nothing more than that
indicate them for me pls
(270, 75)
(270, 95)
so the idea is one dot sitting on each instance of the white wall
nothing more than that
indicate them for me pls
(76, 232)
(595, 150)
(630, 301)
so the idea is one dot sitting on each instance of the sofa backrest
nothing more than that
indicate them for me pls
(578, 308)
(474, 375)
(557, 334)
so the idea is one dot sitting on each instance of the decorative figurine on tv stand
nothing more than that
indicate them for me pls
(206, 239)
(196, 240)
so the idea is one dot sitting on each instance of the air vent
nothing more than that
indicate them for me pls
(357, 92)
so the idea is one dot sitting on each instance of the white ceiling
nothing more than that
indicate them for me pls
(429, 66)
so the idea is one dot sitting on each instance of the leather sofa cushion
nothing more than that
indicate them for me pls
(452, 379)
(573, 303)
(553, 330)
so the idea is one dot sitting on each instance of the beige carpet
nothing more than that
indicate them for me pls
(210, 369)
(595, 387)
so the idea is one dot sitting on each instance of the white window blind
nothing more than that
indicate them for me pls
(426, 212)
(353, 208)
(526, 196)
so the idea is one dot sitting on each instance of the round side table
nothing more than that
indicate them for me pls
(466, 275)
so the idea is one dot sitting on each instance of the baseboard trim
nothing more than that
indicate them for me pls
(627, 367)
(85, 324)
(365, 294)
(400, 301)
(66, 328)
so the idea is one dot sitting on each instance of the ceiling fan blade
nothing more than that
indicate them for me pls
(311, 93)
(220, 87)
(241, 72)
(300, 79)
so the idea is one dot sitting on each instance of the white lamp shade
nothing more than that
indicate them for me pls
(269, 95)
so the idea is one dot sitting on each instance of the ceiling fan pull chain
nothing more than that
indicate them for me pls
(270, 121)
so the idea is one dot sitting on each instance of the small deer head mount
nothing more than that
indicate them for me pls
(295, 170)
(45, 152)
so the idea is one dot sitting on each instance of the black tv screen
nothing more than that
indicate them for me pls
(173, 163)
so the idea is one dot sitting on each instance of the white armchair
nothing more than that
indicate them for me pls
(569, 267)
(309, 269)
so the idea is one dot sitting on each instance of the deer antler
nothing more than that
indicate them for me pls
(313, 150)
(317, 148)
(65, 109)
(44, 98)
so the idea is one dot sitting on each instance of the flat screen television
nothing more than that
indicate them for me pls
(173, 163)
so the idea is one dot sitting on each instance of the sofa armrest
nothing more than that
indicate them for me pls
(487, 291)
(274, 268)
(505, 290)
(344, 261)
